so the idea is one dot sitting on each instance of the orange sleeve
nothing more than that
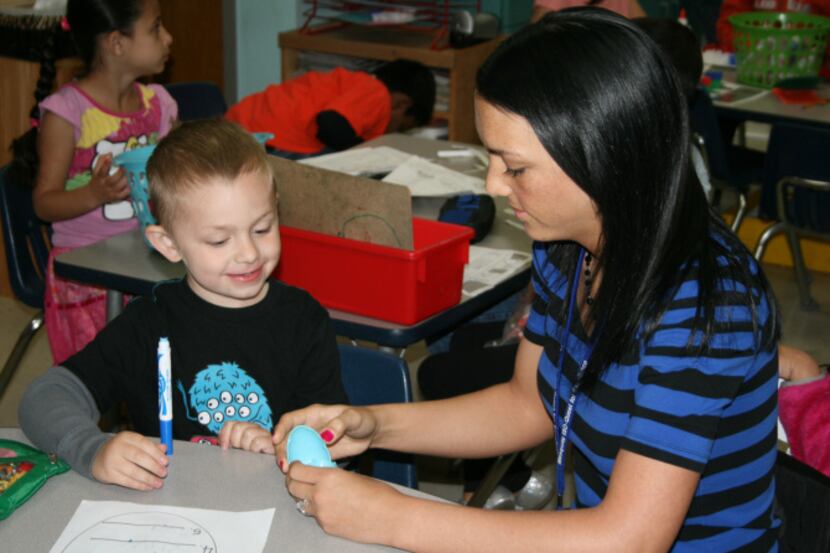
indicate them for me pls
(724, 27)
(365, 103)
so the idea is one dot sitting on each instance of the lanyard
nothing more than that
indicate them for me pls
(562, 428)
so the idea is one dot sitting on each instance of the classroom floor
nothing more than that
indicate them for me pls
(806, 330)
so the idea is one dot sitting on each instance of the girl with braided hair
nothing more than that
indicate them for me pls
(81, 128)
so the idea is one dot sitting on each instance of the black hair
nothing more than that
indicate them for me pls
(681, 46)
(413, 79)
(606, 105)
(23, 167)
(88, 21)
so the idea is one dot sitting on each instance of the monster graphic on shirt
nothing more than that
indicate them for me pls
(225, 392)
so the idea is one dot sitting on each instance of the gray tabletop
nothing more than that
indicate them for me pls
(201, 476)
(767, 108)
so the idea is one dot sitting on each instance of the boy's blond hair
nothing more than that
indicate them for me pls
(198, 152)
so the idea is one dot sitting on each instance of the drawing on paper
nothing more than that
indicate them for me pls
(143, 532)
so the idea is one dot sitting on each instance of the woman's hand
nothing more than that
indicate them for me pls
(345, 504)
(347, 430)
(247, 436)
(108, 187)
(131, 460)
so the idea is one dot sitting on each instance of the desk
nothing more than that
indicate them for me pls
(123, 264)
(201, 476)
(767, 108)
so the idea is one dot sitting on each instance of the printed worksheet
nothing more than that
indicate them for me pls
(424, 178)
(490, 266)
(360, 161)
(116, 527)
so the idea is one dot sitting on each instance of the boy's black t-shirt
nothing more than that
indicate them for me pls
(251, 364)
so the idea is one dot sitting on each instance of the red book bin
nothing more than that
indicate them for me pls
(381, 282)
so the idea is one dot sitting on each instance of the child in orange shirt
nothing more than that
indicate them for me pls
(331, 111)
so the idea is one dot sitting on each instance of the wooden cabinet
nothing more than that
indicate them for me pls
(387, 44)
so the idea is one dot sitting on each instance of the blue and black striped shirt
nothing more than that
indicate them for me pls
(713, 412)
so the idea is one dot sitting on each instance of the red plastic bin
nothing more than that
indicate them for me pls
(384, 283)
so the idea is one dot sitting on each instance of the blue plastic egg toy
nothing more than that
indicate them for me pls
(306, 446)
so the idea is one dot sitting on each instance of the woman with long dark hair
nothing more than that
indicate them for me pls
(651, 347)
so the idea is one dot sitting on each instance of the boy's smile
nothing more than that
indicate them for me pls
(227, 236)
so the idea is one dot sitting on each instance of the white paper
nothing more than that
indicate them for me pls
(490, 266)
(117, 526)
(424, 178)
(360, 161)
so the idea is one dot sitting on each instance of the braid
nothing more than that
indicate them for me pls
(24, 165)
(46, 78)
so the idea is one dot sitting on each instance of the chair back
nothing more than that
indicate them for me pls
(26, 239)
(371, 377)
(798, 151)
(197, 100)
(802, 498)
(705, 123)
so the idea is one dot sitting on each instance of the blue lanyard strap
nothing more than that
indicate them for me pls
(562, 427)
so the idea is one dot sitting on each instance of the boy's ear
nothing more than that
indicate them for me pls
(401, 102)
(163, 242)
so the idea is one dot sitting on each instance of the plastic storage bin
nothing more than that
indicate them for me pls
(381, 282)
(773, 46)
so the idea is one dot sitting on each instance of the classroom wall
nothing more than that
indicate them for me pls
(256, 57)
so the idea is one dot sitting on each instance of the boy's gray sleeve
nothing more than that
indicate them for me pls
(59, 415)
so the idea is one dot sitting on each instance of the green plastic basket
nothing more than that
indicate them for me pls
(773, 46)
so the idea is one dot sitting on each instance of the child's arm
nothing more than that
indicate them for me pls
(56, 147)
(58, 414)
(335, 131)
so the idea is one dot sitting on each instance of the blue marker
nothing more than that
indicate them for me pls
(165, 395)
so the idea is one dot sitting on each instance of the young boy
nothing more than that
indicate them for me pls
(332, 111)
(245, 348)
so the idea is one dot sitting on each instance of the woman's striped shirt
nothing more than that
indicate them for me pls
(713, 412)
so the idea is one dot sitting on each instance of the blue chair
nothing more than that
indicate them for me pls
(730, 167)
(802, 501)
(27, 242)
(797, 175)
(197, 100)
(371, 377)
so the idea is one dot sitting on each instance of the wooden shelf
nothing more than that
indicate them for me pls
(387, 44)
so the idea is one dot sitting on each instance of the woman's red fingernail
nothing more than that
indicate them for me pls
(282, 465)
(327, 435)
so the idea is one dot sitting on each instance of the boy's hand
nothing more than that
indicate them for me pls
(108, 187)
(131, 460)
(247, 436)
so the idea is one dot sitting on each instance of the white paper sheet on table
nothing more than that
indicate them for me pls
(117, 526)
(490, 266)
(360, 161)
(424, 178)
